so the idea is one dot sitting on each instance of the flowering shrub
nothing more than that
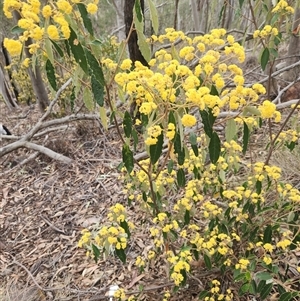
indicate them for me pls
(242, 227)
(206, 206)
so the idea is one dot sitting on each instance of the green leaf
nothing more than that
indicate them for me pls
(241, 2)
(127, 158)
(121, 254)
(170, 166)
(153, 16)
(203, 294)
(208, 120)
(250, 111)
(98, 91)
(49, 50)
(51, 75)
(103, 117)
(214, 148)
(17, 30)
(96, 252)
(135, 138)
(285, 297)
(138, 11)
(264, 58)
(144, 46)
(156, 149)
(180, 177)
(95, 67)
(57, 48)
(88, 99)
(267, 234)
(240, 277)
(245, 137)
(244, 288)
(187, 217)
(193, 140)
(78, 51)
(230, 130)
(178, 149)
(127, 124)
(263, 276)
(86, 18)
(125, 226)
(266, 291)
(258, 186)
(207, 261)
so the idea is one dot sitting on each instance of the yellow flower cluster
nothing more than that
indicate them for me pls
(13, 47)
(153, 133)
(180, 265)
(31, 16)
(268, 30)
(242, 264)
(217, 293)
(283, 6)
(268, 110)
(188, 120)
(117, 213)
(169, 83)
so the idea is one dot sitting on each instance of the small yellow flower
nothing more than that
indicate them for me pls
(92, 8)
(188, 120)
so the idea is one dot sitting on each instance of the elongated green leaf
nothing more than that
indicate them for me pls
(57, 48)
(153, 16)
(193, 140)
(264, 58)
(178, 149)
(127, 124)
(125, 226)
(187, 217)
(88, 99)
(138, 11)
(156, 150)
(241, 3)
(250, 111)
(144, 46)
(263, 276)
(103, 117)
(95, 67)
(267, 234)
(208, 120)
(207, 261)
(127, 158)
(49, 51)
(121, 254)
(285, 297)
(86, 18)
(180, 177)
(214, 148)
(51, 75)
(96, 252)
(17, 30)
(78, 51)
(230, 130)
(203, 294)
(258, 187)
(266, 291)
(98, 91)
(245, 137)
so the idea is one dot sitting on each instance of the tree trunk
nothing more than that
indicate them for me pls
(133, 47)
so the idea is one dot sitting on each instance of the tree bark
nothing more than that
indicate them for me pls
(133, 47)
